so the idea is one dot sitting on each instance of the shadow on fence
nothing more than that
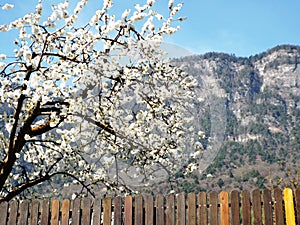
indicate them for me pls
(257, 207)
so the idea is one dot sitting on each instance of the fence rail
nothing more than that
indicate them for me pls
(257, 207)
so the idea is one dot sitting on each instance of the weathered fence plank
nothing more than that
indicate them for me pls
(149, 210)
(297, 199)
(76, 212)
(224, 208)
(45, 211)
(3, 213)
(55, 212)
(267, 203)
(107, 210)
(170, 210)
(128, 211)
(278, 206)
(65, 212)
(213, 208)
(118, 210)
(23, 217)
(86, 211)
(34, 212)
(160, 212)
(202, 209)
(97, 211)
(235, 207)
(191, 213)
(138, 210)
(246, 207)
(13, 213)
(180, 198)
(256, 205)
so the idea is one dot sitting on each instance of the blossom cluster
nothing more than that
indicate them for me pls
(74, 108)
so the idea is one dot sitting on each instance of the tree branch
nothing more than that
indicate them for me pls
(103, 126)
(40, 180)
(23, 187)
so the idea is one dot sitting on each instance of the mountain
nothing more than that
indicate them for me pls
(250, 112)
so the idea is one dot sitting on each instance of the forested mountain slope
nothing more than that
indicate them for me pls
(258, 98)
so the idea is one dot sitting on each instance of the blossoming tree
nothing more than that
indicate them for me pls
(95, 102)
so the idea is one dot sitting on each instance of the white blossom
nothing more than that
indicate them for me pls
(7, 6)
(2, 56)
(170, 4)
(2, 65)
(125, 13)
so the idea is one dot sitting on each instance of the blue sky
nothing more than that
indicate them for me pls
(240, 27)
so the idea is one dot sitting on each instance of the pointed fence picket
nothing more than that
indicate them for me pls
(258, 207)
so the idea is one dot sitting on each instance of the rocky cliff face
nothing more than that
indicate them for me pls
(250, 112)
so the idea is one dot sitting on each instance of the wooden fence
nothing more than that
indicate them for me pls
(245, 207)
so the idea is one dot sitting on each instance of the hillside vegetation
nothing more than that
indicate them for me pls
(259, 134)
